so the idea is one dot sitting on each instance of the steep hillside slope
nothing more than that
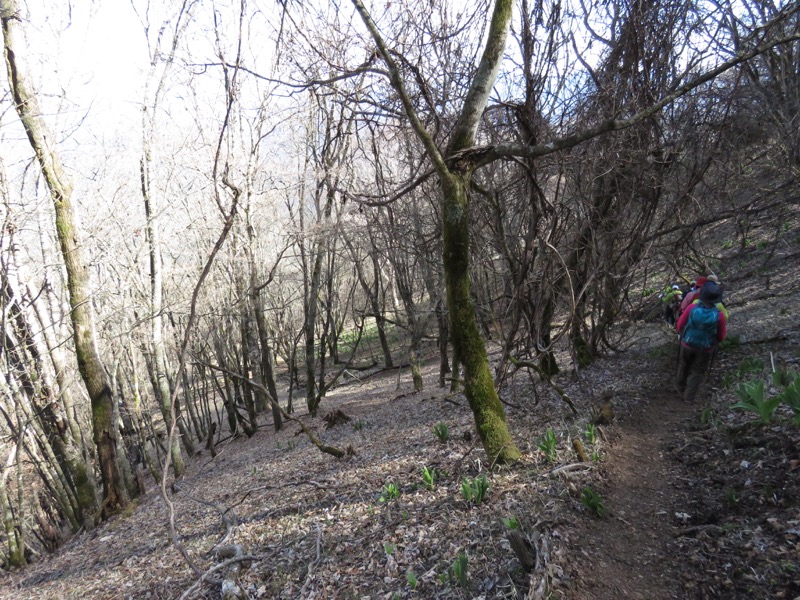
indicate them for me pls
(683, 501)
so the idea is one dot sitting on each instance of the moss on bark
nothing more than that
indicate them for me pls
(468, 344)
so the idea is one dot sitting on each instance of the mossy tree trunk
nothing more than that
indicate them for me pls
(468, 345)
(443, 325)
(454, 168)
(89, 362)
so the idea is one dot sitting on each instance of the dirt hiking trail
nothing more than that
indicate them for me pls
(632, 553)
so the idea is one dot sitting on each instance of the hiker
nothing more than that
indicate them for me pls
(671, 297)
(721, 308)
(701, 327)
(692, 295)
(720, 305)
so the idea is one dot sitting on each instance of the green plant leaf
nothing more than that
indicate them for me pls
(548, 445)
(442, 432)
(591, 433)
(594, 502)
(390, 492)
(459, 569)
(475, 490)
(411, 579)
(784, 378)
(791, 396)
(752, 397)
(429, 477)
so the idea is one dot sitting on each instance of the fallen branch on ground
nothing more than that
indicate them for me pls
(237, 559)
(224, 513)
(519, 364)
(333, 451)
(312, 565)
(570, 467)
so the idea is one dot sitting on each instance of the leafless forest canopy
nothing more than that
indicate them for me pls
(281, 193)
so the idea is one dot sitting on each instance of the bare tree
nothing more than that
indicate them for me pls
(89, 362)
(372, 287)
(151, 105)
(455, 180)
(327, 151)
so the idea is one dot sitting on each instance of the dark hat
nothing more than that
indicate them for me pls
(711, 293)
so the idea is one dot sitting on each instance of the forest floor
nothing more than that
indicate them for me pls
(689, 501)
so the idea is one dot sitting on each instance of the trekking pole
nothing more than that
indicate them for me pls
(713, 354)
(711, 362)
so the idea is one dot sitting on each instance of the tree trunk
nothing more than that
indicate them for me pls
(443, 324)
(25, 351)
(159, 362)
(267, 375)
(372, 292)
(378, 308)
(468, 346)
(13, 531)
(247, 391)
(309, 327)
(89, 362)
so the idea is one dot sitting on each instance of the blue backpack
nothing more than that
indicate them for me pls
(701, 329)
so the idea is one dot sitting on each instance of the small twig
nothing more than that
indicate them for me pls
(696, 529)
(449, 399)
(229, 521)
(312, 565)
(405, 395)
(559, 390)
(319, 486)
(570, 467)
(686, 445)
(776, 338)
(496, 458)
(467, 453)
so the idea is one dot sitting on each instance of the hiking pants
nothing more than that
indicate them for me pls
(692, 368)
(669, 313)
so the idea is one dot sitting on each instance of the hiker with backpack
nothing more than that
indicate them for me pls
(692, 295)
(720, 305)
(701, 327)
(671, 298)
